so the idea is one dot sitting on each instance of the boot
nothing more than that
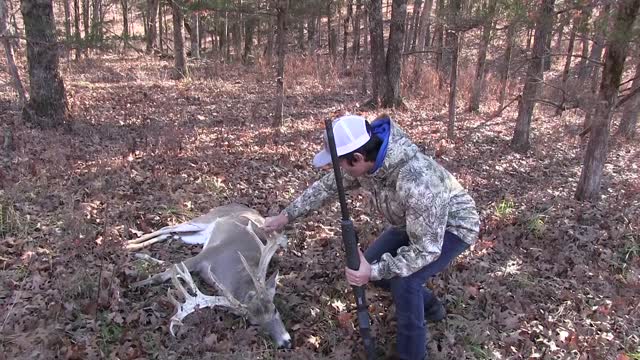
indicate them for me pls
(434, 311)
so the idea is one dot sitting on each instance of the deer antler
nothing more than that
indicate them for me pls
(266, 251)
(198, 300)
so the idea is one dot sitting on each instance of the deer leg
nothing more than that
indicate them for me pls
(149, 241)
(153, 280)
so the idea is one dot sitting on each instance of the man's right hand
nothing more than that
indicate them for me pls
(276, 223)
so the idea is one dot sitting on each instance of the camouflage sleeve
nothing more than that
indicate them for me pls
(426, 220)
(316, 194)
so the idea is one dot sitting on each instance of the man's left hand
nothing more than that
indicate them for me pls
(362, 275)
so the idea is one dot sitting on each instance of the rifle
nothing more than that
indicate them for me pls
(350, 240)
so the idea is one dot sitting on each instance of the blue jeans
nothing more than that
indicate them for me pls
(410, 296)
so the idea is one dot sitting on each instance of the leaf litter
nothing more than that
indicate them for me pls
(549, 278)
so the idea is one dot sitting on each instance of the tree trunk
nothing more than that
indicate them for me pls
(478, 84)
(269, 48)
(548, 60)
(535, 77)
(567, 66)
(85, 23)
(331, 31)
(311, 34)
(96, 25)
(195, 36)
(300, 40)
(600, 29)
(562, 24)
(283, 6)
(453, 85)
(161, 15)
(455, 7)
(377, 50)
(392, 95)
(412, 26)
(416, 29)
(631, 111)
(152, 16)
(47, 106)
(424, 27)
(439, 42)
(76, 28)
(249, 30)
(355, 49)
(8, 50)
(345, 29)
(67, 20)
(180, 63)
(505, 73)
(596, 153)
(125, 18)
(584, 31)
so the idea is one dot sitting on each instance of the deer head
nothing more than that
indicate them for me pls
(255, 304)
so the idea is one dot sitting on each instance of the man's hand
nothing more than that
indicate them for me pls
(362, 275)
(275, 223)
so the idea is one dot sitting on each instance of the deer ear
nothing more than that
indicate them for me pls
(271, 284)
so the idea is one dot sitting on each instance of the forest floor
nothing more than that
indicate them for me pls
(550, 277)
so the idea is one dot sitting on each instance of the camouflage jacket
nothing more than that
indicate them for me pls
(414, 193)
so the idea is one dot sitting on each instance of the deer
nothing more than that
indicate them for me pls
(234, 259)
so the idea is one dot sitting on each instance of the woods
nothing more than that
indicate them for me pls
(121, 117)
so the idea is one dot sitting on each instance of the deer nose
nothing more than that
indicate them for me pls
(286, 342)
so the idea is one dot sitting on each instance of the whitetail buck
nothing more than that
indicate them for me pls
(234, 259)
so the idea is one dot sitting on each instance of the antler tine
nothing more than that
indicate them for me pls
(265, 258)
(199, 300)
(253, 274)
(252, 231)
(233, 302)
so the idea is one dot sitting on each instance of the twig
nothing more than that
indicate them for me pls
(625, 98)
(497, 113)
(15, 301)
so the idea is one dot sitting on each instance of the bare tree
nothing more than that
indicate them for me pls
(180, 63)
(376, 51)
(150, 25)
(505, 72)
(631, 111)
(47, 106)
(567, 65)
(597, 147)
(424, 27)
(331, 30)
(455, 7)
(194, 37)
(67, 19)
(355, 49)
(478, 84)
(76, 28)
(345, 29)
(392, 94)
(125, 18)
(249, 30)
(281, 42)
(535, 75)
(8, 50)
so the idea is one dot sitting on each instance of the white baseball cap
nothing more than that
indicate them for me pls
(349, 132)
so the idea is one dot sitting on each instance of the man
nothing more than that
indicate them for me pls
(432, 218)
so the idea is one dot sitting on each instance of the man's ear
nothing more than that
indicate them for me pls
(358, 157)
